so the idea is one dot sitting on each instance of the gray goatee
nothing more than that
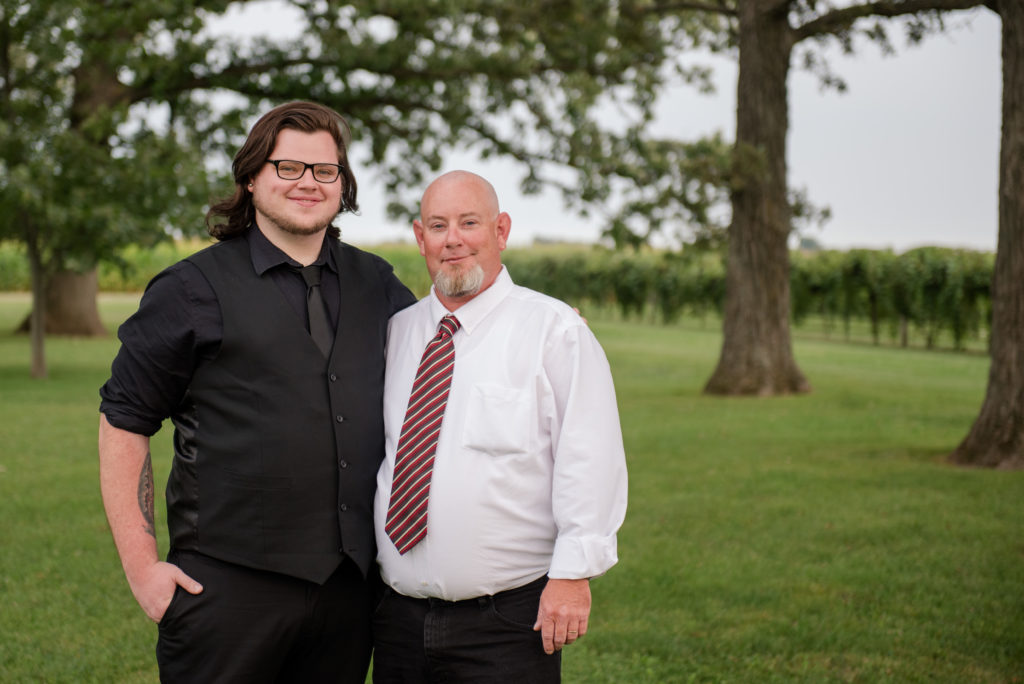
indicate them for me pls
(461, 283)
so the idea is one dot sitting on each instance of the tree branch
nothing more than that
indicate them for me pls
(842, 19)
(695, 5)
(229, 76)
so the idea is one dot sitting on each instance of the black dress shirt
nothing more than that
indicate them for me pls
(178, 326)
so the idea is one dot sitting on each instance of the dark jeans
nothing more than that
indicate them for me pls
(255, 626)
(487, 639)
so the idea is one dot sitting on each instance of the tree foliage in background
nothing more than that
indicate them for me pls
(768, 37)
(113, 109)
(107, 121)
(78, 177)
(934, 292)
(940, 295)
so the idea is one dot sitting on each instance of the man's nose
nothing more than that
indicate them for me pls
(453, 236)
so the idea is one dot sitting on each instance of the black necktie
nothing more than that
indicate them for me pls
(319, 328)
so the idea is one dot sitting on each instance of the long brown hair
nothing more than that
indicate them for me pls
(308, 117)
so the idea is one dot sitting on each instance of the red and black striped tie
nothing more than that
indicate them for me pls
(414, 462)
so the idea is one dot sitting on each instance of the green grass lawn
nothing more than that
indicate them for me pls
(820, 538)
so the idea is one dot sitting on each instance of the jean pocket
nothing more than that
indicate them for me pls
(382, 598)
(518, 609)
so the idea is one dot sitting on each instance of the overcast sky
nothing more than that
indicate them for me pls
(907, 157)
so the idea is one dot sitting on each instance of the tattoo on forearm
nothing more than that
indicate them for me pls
(146, 495)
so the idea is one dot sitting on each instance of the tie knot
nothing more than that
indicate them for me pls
(311, 274)
(448, 325)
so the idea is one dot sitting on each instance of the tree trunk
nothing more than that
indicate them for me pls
(69, 305)
(996, 439)
(876, 323)
(757, 354)
(35, 318)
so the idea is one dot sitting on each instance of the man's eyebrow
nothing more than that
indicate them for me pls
(468, 214)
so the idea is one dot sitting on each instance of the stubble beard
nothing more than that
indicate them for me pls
(461, 283)
(290, 226)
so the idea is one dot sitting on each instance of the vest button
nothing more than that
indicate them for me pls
(343, 464)
(334, 378)
(343, 507)
(339, 418)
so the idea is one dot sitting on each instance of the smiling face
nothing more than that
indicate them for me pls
(461, 235)
(300, 207)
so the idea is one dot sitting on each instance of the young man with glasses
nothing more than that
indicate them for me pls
(266, 351)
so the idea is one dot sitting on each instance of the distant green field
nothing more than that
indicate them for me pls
(931, 298)
(819, 538)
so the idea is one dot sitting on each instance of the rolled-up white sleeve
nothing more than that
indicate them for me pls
(589, 484)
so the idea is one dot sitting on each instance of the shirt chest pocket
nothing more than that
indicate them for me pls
(499, 420)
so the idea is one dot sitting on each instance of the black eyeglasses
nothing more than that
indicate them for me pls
(293, 170)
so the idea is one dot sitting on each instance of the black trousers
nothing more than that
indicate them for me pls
(487, 639)
(254, 626)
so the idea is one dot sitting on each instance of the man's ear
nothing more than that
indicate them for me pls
(417, 229)
(504, 228)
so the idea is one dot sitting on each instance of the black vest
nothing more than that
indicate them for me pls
(277, 449)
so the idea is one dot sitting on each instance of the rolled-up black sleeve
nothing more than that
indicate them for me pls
(178, 325)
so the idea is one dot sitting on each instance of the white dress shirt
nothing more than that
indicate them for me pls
(530, 474)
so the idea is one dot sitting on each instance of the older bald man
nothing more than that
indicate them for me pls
(504, 481)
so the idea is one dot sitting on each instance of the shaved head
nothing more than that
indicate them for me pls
(460, 181)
